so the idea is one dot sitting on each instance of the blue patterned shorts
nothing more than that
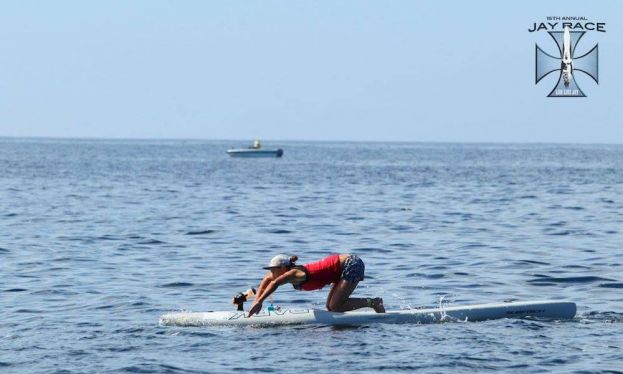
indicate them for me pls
(353, 269)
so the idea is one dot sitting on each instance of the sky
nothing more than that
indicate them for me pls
(432, 71)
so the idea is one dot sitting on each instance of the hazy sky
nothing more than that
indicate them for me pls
(301, 70)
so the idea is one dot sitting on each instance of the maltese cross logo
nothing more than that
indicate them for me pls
(567, 63)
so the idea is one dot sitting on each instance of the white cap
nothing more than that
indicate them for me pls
(279, 261)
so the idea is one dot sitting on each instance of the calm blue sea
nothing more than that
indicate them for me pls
(99, 238)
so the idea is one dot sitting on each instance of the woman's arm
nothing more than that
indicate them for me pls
(264, 282)
(288, 277)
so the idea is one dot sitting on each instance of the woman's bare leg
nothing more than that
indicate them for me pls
(331, 295)
(339, 299)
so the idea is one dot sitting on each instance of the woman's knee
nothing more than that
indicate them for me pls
(328, 305)
(333, 305)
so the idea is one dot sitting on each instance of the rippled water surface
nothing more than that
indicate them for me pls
(99, 238)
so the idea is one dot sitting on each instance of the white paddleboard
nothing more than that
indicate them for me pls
(516, 309)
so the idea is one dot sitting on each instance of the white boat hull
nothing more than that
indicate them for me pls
(481, 312)
(249, 152)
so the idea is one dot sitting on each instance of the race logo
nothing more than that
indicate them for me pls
(569, 59)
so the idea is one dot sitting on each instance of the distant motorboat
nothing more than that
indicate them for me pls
(246, 152)
(255, 150)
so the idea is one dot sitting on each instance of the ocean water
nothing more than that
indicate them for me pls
(99, 238)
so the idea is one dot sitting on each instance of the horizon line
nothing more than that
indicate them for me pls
(501, 142)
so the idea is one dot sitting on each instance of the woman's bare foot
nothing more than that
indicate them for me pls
(377, 305)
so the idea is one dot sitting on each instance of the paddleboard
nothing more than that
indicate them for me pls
(548, 309)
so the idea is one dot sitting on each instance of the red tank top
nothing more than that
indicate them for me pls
(320, 273)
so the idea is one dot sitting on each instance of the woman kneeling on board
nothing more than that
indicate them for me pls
(343, 270)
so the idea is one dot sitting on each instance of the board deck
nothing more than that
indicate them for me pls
(547, 309)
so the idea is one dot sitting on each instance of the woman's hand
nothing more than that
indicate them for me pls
(255, 308)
